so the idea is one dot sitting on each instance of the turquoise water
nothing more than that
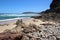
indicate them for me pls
(11, 16)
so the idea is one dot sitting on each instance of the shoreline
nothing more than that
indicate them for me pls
(11, 19)
(9, 23)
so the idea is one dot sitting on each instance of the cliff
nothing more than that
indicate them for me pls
(55, 6)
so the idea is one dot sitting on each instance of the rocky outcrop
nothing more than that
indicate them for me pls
(43, 31)
(11, 36)
(51, 14)
(55, 6)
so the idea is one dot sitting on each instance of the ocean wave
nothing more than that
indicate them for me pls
(13, 16)
(11, 19)
(19, 15)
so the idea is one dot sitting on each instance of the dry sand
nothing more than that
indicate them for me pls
(31, 28)
(7, 25)
(11, 24)
(37, 22)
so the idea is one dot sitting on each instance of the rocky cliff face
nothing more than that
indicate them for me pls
(54, 12)
(55, 6)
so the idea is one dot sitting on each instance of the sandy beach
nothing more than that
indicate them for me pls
(10, 24)
(30, 27)
(6, 25)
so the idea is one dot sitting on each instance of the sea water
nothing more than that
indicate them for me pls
(4, 16)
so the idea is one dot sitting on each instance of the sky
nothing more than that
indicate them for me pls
(19, 6)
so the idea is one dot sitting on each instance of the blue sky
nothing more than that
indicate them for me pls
(19, 6)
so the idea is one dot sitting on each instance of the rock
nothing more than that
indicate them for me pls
(16, 36)
(19, 22)
(28, 30)
(52, 38)
(57, 38)
(55, 6)
(25, 37)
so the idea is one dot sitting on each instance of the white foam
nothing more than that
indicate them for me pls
(20, 15)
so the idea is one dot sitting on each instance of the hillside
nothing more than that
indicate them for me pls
(55, 6)
(52, 14)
